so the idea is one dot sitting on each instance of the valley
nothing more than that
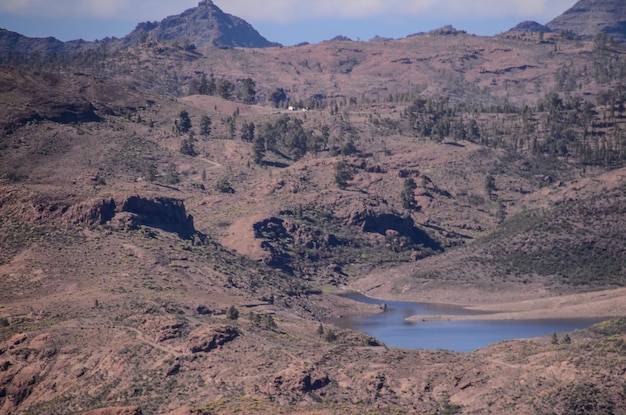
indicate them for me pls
(179, 221)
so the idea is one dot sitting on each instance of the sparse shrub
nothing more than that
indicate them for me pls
(329, 335)
(99, 180)
(232, 313)
(490, 183)
(187, 148)
(224, 186)
(4, 322)
(268, 322)
(554, 339)
(320, 330)
(14, 177)
(204, 310)
(451, 409)
(171, 174)
(151, 172)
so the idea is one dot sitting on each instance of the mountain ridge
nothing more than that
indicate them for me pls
(207, 25)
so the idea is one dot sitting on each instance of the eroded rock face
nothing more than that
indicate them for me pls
(159, 212)
(210, 338)
(92, 212)
(132, 212)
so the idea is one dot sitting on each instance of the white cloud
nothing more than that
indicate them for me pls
(289, 10)
(292, 10)
(136, 10)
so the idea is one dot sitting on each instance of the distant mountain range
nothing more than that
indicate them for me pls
(207, 24)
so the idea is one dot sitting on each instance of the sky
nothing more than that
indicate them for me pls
(285, 21)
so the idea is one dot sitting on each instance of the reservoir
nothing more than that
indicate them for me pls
(459, 336)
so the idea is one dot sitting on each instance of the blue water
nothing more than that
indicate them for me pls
(455, 335)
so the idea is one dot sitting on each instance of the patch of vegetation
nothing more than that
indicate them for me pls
(136, 155)
(585, 398)
(571, 241)
(610, 327)
(253, 405)
(16, 235)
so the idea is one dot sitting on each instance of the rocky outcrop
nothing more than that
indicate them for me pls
(530, 27)
(210, 338)
(279, 234)
(382, 220)
(120, 211)
(23, 364)
(165, 328)
(299, 381)
(132, 212)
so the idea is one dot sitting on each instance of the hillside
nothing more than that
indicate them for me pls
(178, 223)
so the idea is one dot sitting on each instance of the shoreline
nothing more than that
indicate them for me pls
(605, 304)
(599, 304)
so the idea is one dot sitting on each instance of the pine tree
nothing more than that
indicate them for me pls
(343, 174)
(320, 330)
(205, 125)
(183, 124)
(407, 196)
(258, 149)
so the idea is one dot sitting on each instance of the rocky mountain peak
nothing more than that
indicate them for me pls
(587, 18)
(203, 25)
